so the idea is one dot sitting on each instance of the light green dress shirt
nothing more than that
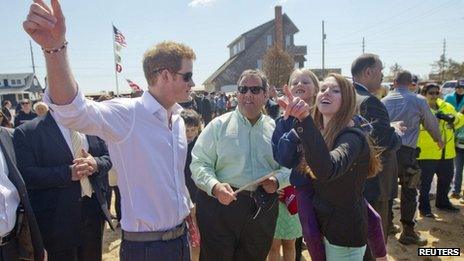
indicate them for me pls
(231, 150)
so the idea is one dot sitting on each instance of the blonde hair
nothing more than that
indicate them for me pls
(313, 78)
(340, 121)
(40, 104)
(165, 55)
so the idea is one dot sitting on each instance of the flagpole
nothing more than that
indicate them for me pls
(115, 62)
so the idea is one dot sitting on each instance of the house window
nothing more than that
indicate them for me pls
(18, 82)
(287, 40)
(235, 49)
(13, 82)
(259, 64)
(269, 40)
(241, 46)
(297, 65)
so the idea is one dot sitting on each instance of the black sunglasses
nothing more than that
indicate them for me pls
(433, 93)
(187, 77)
(253, 89)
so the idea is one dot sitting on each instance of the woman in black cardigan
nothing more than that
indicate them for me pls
(339, 158)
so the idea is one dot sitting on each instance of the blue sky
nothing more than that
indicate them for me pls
(410, 33)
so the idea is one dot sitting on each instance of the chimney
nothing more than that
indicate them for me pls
(279, 27)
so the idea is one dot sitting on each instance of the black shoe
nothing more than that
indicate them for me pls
(448, 208)
(428, 215)
(412, 238)
(455, 195)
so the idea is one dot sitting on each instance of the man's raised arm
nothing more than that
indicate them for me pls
(46, 26)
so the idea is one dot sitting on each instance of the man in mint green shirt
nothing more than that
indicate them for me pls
(233, 150)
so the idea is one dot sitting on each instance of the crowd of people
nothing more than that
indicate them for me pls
(223, 177)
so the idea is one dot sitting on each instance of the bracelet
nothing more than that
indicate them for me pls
(56, 50)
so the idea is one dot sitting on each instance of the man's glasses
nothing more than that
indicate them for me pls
(433, 93)
(253, 89)
(25, 103)
(187, 77)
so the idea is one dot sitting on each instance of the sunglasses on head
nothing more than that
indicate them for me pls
(253, 89)
(187, 77)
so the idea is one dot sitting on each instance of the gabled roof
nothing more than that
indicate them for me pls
(218, 71)
(28, 79)
(263, 28)
(253, 35)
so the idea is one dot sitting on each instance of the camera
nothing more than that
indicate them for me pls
(446, 117)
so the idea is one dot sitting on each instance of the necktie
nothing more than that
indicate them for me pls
(77, 146)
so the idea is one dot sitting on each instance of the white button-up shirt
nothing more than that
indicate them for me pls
(9, 199)
(67, 137)
(148, 156)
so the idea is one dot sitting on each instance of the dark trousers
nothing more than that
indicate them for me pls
(92, 224)
(9, 251)
(444, 170)
(458, 166)
(172, 250)
(298, 248)
(407, 159)
(230, 232)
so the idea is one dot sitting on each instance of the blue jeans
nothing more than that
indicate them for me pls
(334, 252)
(175, 250)
(458, 167)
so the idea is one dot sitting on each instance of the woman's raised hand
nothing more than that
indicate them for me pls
(293, 106)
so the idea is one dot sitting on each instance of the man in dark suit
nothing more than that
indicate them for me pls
(367, 76)
(71, 223)
(24, 240)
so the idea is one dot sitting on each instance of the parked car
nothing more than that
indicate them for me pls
(448, 87)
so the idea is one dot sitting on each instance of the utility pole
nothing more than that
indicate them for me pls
(323, 50)
(363, 44)
(443, 62)
(32, 57)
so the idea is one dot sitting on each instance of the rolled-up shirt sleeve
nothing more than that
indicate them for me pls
(110, 120)
(204, 157)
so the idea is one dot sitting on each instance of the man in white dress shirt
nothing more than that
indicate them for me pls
(145, 136)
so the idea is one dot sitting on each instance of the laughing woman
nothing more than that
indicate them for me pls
(339, 158)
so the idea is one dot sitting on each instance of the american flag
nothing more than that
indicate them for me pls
(118, 37)
(134, 86)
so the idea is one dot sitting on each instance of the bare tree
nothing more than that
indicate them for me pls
(277, 65)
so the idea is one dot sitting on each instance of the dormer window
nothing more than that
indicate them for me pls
(15, 82)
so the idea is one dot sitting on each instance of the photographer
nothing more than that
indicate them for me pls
(456, 99)
(432, 159)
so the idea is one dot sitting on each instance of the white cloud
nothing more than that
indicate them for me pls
(195, 3)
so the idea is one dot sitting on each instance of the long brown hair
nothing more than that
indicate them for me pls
(341, 120)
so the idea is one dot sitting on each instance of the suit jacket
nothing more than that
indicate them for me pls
(44, 158)
(371, 108)
(272, 109)
(29, 238)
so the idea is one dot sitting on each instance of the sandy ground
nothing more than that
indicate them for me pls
(446, 231)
